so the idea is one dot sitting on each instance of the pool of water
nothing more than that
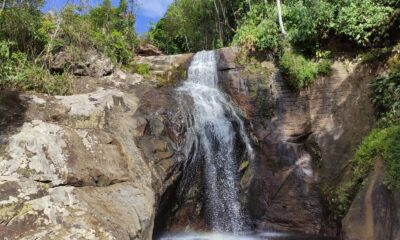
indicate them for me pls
(250, 236)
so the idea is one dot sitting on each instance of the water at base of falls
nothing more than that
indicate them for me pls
(214, 121)
(248, 236)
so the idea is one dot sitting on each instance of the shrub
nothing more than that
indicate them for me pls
(21, 26)
(17, 72)
(386, 97)
(308, 22)
(299, 71)
(364, 21)
(324, 67)
(142, 69)
(259, 30)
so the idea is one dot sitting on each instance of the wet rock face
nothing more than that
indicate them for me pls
(303, 139)
(164, 141)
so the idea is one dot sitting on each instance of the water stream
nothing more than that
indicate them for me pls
(215, 127)
(213, 118)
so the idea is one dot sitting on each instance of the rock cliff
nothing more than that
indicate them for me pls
(108, 162)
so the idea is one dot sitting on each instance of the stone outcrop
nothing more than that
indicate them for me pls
(90, 63)
(92, 165)
(165, 65)
(70, 168)
(148, 50)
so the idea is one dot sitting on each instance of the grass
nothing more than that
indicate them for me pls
(18, 73)
(142, 69)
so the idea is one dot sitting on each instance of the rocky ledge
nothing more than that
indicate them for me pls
(69, 165)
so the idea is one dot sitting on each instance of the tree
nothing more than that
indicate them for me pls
(123, 7)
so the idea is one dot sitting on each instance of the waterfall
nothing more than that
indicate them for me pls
(217, 127)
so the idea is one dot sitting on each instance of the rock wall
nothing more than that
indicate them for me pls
(304, 144)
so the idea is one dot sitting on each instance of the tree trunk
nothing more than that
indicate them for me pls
(3, 6)
(218, 21)
(278, 2)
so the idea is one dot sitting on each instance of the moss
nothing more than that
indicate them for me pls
(95, 120)
(244, 166)
(375, 55)
(380, 144)
(8, 211)
(14, 210)
(394, 60)
(171, 77)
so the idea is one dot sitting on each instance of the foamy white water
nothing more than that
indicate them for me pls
(213, 121)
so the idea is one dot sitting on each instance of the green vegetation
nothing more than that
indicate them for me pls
(109, 30)
(353, 23)
(379, 145)
(299, 71)
(259, 30)
(386, 97)
(253, 24)
(17, 72)
(142, 69)
(189, 25)
(29, 40)
(310, 25)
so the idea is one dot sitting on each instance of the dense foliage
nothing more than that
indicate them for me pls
(29, 39)
(204, 24)
(189, 25)
(108, 29)
(386, 97)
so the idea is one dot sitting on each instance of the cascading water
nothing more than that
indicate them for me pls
(214, 118)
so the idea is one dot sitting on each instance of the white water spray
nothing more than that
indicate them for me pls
(214, 117)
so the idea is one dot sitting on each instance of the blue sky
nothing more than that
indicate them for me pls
(148, 10)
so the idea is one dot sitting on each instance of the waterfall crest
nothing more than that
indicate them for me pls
(217, 127)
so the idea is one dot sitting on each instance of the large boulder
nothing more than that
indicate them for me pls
(90, 63)
(71, 170)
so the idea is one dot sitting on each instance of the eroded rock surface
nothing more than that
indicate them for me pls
(71, 170)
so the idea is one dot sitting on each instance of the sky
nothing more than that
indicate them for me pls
(149, 11)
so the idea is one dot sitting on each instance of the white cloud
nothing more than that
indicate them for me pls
(153, 8)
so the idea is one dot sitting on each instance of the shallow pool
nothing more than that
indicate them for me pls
(249, 236)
